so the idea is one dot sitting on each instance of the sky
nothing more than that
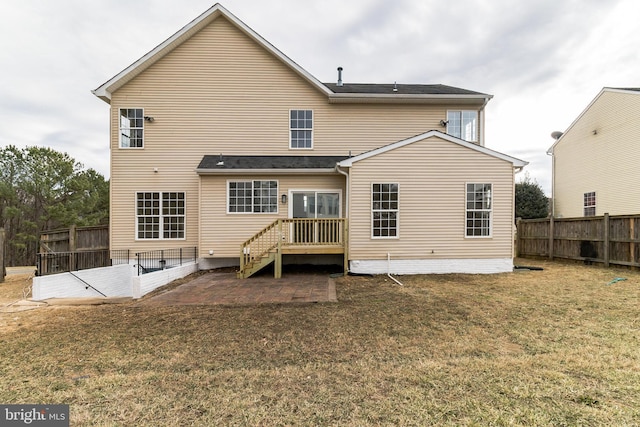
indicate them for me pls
(543, 61)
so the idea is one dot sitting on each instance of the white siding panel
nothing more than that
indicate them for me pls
(220, 92)
(224, 233)
(432, 175)
(600, 153)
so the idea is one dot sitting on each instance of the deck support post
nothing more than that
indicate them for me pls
(277, 271)
(345, 242)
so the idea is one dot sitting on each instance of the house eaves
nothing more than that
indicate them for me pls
(105, 90)
(629, 91)
(363, 98)
(404, 93)
(268, 165)
(517, 163)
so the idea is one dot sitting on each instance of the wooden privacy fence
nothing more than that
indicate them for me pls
(74, 248)
(75, 239)
(605, 239)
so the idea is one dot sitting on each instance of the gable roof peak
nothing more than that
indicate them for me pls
(105, 90)
(424, 136)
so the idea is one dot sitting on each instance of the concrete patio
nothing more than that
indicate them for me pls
(218, 288)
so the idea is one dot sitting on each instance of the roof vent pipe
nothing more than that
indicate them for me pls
(339, 76)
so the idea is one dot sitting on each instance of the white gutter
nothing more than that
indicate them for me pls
(419, 98)
(316, 171)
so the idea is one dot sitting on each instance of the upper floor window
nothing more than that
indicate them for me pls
(478, 210)
(253, 197)
(160, 215)
(384, 210)
(301, 129)
(463, 124)
(131, 127)
(590, 203)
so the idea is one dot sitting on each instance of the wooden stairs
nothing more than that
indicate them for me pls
(257, 264)
(292, 236)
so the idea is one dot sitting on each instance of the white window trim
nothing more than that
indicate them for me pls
(161, 231)
(120, 147)
(313, 125)
(253, 213)
(312, 190)
(594, 206)
(490, 236)
(397, 236)
(475, 141)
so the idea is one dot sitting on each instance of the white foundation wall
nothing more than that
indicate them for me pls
(212, 263)
(115, 281)
(112, 281)
(432, 266)
(145, 283)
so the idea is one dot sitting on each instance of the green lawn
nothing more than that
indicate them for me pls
(554, 347)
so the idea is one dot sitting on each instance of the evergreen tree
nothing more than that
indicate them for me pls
(531, 201)
(43, 189)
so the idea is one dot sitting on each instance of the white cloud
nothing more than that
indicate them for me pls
(543, 60)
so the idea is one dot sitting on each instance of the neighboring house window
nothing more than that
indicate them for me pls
(463, 124)
(478, 222)
(131, 127)
(590, 204)
(253, 197)
(160, 215)
(301, 128)
(384, 210)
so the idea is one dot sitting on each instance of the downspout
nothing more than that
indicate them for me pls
(346, 215)
(346, 191)
(486, 101)
(553, 182)
(389, 270)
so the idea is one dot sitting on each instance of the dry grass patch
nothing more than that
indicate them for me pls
(553, 347)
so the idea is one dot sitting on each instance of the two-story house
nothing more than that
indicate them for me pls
(595, 161)
(220, 141)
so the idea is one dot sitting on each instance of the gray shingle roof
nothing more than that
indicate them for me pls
(224, 162)
(406, 89)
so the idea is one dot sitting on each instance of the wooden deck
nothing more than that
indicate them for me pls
(301, 236)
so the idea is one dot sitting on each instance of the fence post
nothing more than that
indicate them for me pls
(72, 238)
(517, 248)
(632, 245)
(551, 238)
(606, 239)
(2, 268)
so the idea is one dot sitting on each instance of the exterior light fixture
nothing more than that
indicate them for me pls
(149, 119)
(283, 199)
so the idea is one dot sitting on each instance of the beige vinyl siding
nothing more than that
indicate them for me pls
(605, 162)
(221, 92)
(223, 232)
(431, 175)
